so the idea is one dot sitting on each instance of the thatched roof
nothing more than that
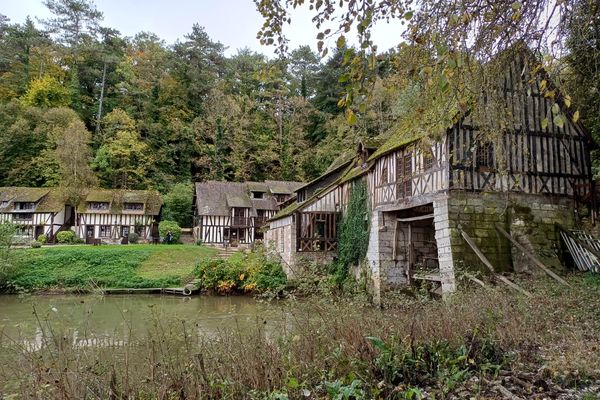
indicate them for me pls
(151, 200)
(48, 199)
(217, 198)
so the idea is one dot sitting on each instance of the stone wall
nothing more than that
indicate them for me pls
(529, 218)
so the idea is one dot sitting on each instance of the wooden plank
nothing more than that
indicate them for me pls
(481, 256)
(488, 264)
(419, 218)
(534, 259)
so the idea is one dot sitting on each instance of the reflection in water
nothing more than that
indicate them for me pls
(93, 320)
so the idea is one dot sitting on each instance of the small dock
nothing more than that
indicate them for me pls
(187, 290)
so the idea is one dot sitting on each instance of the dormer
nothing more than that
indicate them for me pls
(26, 200)
(98, 200)
(133, 207)
(98, 205)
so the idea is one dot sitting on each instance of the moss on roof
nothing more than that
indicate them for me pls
(49, 200)
(151, 199)
(99, 196)
(29, 195)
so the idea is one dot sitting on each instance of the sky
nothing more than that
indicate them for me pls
(234, 23)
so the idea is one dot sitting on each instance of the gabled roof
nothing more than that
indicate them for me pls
(217, 198)
(283, 187)
(151, 199)
(48, 200)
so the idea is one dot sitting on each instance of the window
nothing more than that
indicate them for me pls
(23, 217)
(124, 231)
(98, 206)
(383, 179)
(257, 195)
(89, 231)
(427, 160)
(485, 154)
(133, 206)
(139, 229)
(280, 198)
(404, 174)
(104, 231)
(24, 206)
(3, 204)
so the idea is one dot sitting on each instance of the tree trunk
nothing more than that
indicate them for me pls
(99, 116)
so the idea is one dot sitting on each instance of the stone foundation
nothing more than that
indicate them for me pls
(529, 218)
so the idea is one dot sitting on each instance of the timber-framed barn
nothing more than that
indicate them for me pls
(234, 213)
(425, 191)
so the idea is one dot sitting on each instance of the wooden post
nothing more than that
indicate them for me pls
(535, 261)
(488, 264)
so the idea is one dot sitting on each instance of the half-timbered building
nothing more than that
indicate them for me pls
(233, 213)
(109, 216)
(307, 228)
(35, 211)
(427, 192)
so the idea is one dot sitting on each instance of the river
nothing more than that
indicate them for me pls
(116, 316)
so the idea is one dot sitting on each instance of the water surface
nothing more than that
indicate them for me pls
(117, 316)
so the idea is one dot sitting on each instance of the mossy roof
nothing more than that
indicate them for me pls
(151, 199)
(217, 198)
(49, 200)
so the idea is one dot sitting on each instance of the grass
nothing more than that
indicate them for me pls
(467, 347)
(79, 267)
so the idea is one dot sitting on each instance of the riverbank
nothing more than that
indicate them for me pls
(83, 268)
(481, 343)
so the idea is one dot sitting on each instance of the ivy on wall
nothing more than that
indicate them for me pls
(353, 231)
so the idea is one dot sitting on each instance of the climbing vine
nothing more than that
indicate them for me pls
(353, 231)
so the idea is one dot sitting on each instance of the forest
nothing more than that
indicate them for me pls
(82, 105)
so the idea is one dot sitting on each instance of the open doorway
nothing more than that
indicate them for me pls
(415, 247)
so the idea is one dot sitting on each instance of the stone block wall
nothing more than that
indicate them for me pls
(529, 218)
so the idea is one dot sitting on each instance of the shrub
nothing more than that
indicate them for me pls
(134, 238)
(250, 273)
(42, 239)
(65, 237)
(165, 226)
(36, 244)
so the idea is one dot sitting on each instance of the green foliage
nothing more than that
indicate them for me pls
(133, 237)
(248, 273)
(399, 362)
(35, 244)
(7, 232)
(42, 239)
(46, 92)
(353, 231)
(178, 205)
(65, 237)
(82, 266)
(164, 227)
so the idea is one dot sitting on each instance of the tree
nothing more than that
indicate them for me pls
(198, 63)
(123, 161)
(18, 44)
(74, 154)
(304, 65)
(178, 205)
(46, 92)
(583, 62)
(72, 20)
